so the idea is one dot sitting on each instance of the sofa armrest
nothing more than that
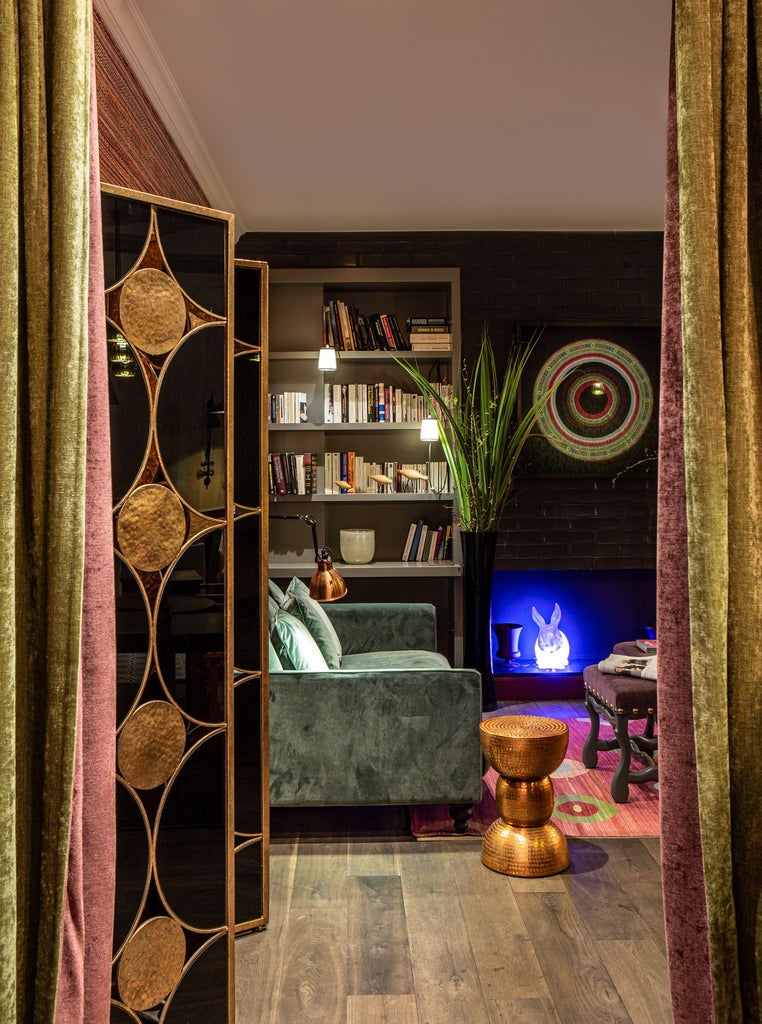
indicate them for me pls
(384, 627)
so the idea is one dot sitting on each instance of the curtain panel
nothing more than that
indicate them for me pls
(44, 242)
(717, 134)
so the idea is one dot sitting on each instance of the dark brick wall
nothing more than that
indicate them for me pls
(552, 522)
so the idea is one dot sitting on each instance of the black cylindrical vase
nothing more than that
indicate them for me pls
(478, 566)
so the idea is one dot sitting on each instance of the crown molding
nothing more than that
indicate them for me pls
(131, 33)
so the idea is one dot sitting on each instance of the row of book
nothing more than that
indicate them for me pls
(289, 407)
(347, 329)
(350, 473)
(289, 473)
(377, 403)
(426, 543)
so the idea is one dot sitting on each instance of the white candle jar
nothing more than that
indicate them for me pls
(357, 546)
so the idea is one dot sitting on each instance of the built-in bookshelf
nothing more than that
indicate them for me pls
(355, 458)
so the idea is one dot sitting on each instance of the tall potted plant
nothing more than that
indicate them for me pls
(482, 434)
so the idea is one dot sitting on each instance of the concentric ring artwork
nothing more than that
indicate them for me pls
(602, 401)
(602, 418)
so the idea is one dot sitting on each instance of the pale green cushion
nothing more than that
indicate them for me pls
(294, 645)
(312, 614)
(273, 660)
(275, 593)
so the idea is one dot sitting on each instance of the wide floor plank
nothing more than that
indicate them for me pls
(576, 976)
(378, 950)
(258, 959)
(382, 1010)
(638, 968)
(447, 983)
(313, 984)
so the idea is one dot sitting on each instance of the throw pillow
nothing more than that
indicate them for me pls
(294, 645)
(313, 615)
(275, 593)
(273, 661)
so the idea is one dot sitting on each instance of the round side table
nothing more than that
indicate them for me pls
(524, 750)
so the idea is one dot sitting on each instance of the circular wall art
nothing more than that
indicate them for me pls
(602, 403)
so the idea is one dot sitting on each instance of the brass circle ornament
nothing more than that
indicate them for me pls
(151, 744)
(152, 311)
(151, 963)
(151, 527)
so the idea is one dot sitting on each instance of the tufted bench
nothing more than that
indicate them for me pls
(621, 699)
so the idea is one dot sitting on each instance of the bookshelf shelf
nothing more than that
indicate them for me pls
(376, 570)
(311, 355)
(353, 499)
(344, 428)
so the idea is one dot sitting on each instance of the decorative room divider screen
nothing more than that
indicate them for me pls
(191, 857)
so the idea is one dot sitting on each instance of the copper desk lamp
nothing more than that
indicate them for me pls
(326, 583)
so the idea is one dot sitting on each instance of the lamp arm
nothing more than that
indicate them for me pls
(311, 522)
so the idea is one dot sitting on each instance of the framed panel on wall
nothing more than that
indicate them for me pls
(602, 418)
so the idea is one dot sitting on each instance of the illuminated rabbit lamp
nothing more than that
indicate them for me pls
(551, 648)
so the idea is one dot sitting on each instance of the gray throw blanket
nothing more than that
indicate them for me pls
(621, 665)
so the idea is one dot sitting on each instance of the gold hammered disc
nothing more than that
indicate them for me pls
(151, 527)
(151, 744)
(524, 746)
(151, 963)
(152, 311)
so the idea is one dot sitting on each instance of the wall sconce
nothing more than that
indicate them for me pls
(429, 432)
(327, 358)
(326, 583)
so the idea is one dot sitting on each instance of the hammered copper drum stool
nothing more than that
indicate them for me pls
(524, 750)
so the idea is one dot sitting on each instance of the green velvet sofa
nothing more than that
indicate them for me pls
(393, 724)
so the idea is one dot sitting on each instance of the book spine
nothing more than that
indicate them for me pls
(408, 542)
(350, 477)
(416, 538)
(422, 543)
(390, 342)
(280, 478)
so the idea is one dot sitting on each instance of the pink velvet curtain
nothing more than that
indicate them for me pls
(85, 970)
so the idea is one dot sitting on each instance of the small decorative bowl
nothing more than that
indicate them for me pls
(357, 546)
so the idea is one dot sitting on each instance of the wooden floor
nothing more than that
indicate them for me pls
(368, 926)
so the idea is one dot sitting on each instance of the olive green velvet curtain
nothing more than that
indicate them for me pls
(719, 158)
(44, 195)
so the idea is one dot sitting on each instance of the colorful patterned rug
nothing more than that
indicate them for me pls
(583, 804)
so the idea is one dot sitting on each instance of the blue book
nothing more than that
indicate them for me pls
(416, 541)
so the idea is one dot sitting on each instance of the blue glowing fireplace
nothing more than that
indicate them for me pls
(599, 607)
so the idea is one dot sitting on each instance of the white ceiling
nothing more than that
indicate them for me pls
(392, 115)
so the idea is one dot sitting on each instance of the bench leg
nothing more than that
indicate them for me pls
(620, 789)
(590, 749)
